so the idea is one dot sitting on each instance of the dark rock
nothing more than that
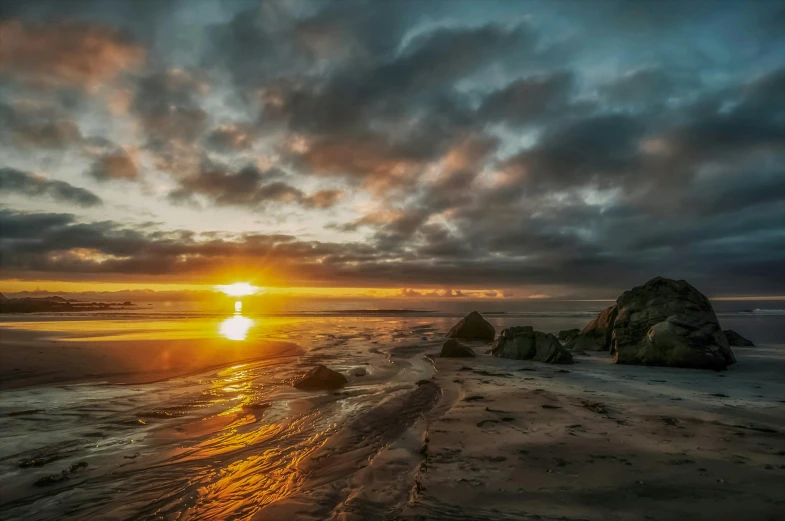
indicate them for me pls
(251, 407)
(320, 378)
(77, 466)
(664, 322)
(524, 343)
(452, 349)
(736, 340)
(359, 371)
(473, 327)
(52, 479)
(568, 334)
(596, 336)
(597, 407)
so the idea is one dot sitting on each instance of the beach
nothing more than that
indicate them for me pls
(163, 417)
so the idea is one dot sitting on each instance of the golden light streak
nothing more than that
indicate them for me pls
(238, 289)
(236, 327)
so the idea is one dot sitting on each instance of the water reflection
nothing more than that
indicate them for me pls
(236, 327)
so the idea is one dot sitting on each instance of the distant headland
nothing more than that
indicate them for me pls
(55, 304)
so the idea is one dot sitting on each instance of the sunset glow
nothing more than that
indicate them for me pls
(238, 289)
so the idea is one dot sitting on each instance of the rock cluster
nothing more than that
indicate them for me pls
(473, 327)
(320, 378)
(664, 322)
(524, 343)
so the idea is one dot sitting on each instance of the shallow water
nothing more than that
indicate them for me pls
(226, 443)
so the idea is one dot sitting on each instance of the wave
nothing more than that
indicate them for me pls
(768, 311)
(752, 312)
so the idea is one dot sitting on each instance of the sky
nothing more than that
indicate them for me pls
(416, 148)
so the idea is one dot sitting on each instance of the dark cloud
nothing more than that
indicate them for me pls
(25, 183)
(248, 186)
(641, 86)
(31, 124)
(589, 152)
(168, 104)
(116, 164)
(528, 99)
(383, 122)
(228, 138)
(57, 243)
(85, 55)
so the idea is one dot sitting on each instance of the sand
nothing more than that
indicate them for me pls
(590, 441)
(417, 437)
(29, 359)
(596, 440)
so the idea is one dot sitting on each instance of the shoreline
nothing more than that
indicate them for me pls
(36, 359)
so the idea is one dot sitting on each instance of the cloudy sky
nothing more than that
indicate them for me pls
(520, 148)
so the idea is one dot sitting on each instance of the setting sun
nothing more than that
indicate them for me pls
(238, 289)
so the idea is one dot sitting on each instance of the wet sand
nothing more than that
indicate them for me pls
(29, 359)
(411, 436)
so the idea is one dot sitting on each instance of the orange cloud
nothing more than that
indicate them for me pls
(66, 53)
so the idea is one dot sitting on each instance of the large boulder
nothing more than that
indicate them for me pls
(524, 343)
(664, 322)
(320, 378)
(452, 349)
(473, 327)
(736, 340)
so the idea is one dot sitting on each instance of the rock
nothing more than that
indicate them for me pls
(452, 349)
(568, 334)
(359, 371)
(736, 340)
(473, 327)
(596, 335)
(250, 407)
(524, 343)
(664, 322)
(320, 378)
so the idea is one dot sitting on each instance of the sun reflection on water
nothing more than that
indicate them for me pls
(236, 327)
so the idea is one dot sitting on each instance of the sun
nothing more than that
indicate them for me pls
(238, 289)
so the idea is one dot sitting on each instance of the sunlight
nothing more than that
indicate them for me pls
(238, 289)
(238, 306)
(236, 327)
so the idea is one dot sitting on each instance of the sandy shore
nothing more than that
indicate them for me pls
(28, 358)
(596, 440)
(411, 437)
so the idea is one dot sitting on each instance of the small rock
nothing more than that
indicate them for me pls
(736, 340)
(320, 378)
(51, 479)
(77, 466)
